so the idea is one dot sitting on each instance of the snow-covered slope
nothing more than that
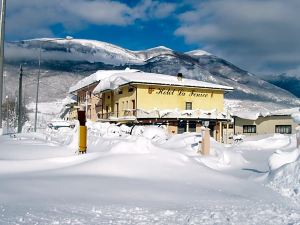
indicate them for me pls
(84, 57)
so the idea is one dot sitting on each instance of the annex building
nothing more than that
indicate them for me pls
(280, 121)
(135, 97)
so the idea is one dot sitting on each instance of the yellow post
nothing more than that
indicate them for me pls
(82, 142)
(82, 139)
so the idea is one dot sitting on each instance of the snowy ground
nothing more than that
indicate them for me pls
(147, 178)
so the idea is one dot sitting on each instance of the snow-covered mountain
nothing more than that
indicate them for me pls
(287, 82)
(66, 61)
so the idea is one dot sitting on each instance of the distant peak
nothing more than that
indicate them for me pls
(198, 52)
(159, 48)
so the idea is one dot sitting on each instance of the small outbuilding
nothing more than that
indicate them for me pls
(258, 123)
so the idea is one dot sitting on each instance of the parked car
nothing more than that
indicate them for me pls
(59, 124)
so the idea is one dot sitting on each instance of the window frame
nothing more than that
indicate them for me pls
(188, 103)
(247, 129)
(284, 127)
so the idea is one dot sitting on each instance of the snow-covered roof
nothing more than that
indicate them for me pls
(96, 77)
(255, 114)
(114, 81)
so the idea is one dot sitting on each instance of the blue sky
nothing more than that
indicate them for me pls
(137, 36)
(261, 36)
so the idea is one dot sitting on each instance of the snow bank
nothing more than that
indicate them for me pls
(286, 180)
(296, 117)
(280, 158)
(222, 158)
(274, 142)
(155, 133)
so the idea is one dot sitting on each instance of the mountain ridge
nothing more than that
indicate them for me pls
(79, 58)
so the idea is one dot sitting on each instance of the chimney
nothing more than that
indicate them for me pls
(179, 76)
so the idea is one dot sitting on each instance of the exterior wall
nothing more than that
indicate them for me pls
(126, 101)
(172, 129)
(107, 105)
(163, 97)
(73, 113)
(228, 132)
(264, 125)
(119, 103)
(94, 102)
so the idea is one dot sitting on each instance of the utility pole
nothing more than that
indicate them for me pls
(2, 35)
(37, 88)
(20, 100)
(68, 38)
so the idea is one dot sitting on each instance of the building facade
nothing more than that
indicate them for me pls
(145, 98)
(269, 124)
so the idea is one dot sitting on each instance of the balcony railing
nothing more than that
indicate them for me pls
(155, 113)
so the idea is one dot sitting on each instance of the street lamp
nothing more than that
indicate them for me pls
(39, 74)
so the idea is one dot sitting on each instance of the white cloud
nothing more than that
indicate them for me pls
(35, 18)
(262, 36)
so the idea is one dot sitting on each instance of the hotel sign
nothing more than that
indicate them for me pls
(176, 92)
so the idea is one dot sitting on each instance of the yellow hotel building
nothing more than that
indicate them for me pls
(135, 97)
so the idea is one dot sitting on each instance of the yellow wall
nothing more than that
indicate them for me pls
(148, 97)
(125, 101)
(164, 97)
(93, 101)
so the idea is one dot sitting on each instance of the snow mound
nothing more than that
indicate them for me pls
(286, 180)
(296, 117)
(155, 133)
(137, 146)
(280, 158)
(276, 141)
(222, 158)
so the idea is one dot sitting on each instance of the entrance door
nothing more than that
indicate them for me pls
(181, 128)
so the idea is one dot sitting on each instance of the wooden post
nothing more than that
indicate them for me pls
(204, 145)
(220, 132)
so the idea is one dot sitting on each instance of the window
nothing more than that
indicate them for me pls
(130, 89)
(192, 126)
(188, 106)
(283, 129)
(249, 129)
(181, 127)
(120, 92)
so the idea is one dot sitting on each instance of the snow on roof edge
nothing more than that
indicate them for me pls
(96, 77)
(282, 112)
(115, 81)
